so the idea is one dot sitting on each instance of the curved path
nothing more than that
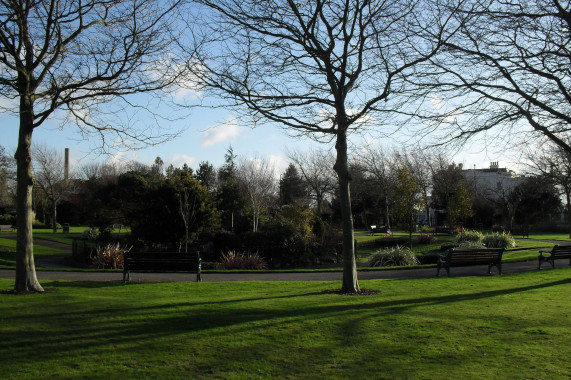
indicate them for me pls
(479, 270)
(54, 261)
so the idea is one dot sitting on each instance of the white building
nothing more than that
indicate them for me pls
(493, 182)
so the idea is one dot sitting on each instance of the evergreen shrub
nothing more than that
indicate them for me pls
(499, 240)
(393, 256)
(7, 219)
(469, 237)
(246, 261)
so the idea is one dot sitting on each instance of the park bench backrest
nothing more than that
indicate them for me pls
(474, 255)
(561, 251)
(189, 261)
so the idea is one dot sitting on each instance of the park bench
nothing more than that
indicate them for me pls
(7, 227)
(161, 262)
(557, 252)
(471, 256)
(379, 229)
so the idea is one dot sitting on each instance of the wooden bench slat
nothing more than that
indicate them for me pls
(468, 256)
(161, 261)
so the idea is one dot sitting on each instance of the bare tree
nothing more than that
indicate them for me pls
(506, 73)
(51, 177)
(100, 172)
(77, 57)
(257, 178)
(446, 175)
(316, 168)
(554, 162)
(7, 179)
(408, 199)
(320, 68)
(381, 166)
(418, 163)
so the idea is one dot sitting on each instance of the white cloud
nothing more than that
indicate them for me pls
(222, 132)
(188, 86)
(178, 160)
(279, 162)
(9, 104)
(436, 101)
(121, 157)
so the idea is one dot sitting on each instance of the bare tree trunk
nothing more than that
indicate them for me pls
(410, 227)
(350, 282)
(387, 210)
(54, 213)
(26, 280)
(319, 198)
(568, 198)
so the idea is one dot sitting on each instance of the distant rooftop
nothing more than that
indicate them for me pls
(494, 168)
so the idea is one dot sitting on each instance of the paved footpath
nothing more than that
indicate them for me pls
(54, 262)
(479, 270)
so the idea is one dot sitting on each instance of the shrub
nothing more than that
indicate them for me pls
(426, 239)
(238, 260)
(427, 229)
(471, 244)
(90, 234)
(499, 240)
(471, 237)
(7, 219)
(109, 256)
(498, 228)
(395, 256)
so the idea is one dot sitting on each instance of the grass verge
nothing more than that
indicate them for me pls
(465, 328)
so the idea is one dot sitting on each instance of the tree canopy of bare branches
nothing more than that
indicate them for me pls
(554, 162)
(316, 169)
(258, 181)
(320, 68)
(506, 73)
(51, 176)
(87, 59)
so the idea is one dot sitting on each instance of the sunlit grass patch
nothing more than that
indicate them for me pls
(468, 327)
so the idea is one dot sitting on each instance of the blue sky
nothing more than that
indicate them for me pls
(207, 134)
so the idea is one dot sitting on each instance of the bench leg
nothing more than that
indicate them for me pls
(439, 266)
(541, 260)
(126, 276)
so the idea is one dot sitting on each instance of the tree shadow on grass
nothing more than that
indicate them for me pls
(243, 314)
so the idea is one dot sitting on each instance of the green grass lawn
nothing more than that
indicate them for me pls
(514, 326)
(550, 236)
(526, 249)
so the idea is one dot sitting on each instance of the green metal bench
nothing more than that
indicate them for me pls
(161, 262)
(471, 256)
(557, 252)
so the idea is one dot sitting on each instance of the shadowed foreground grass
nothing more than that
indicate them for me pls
(473, 327)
